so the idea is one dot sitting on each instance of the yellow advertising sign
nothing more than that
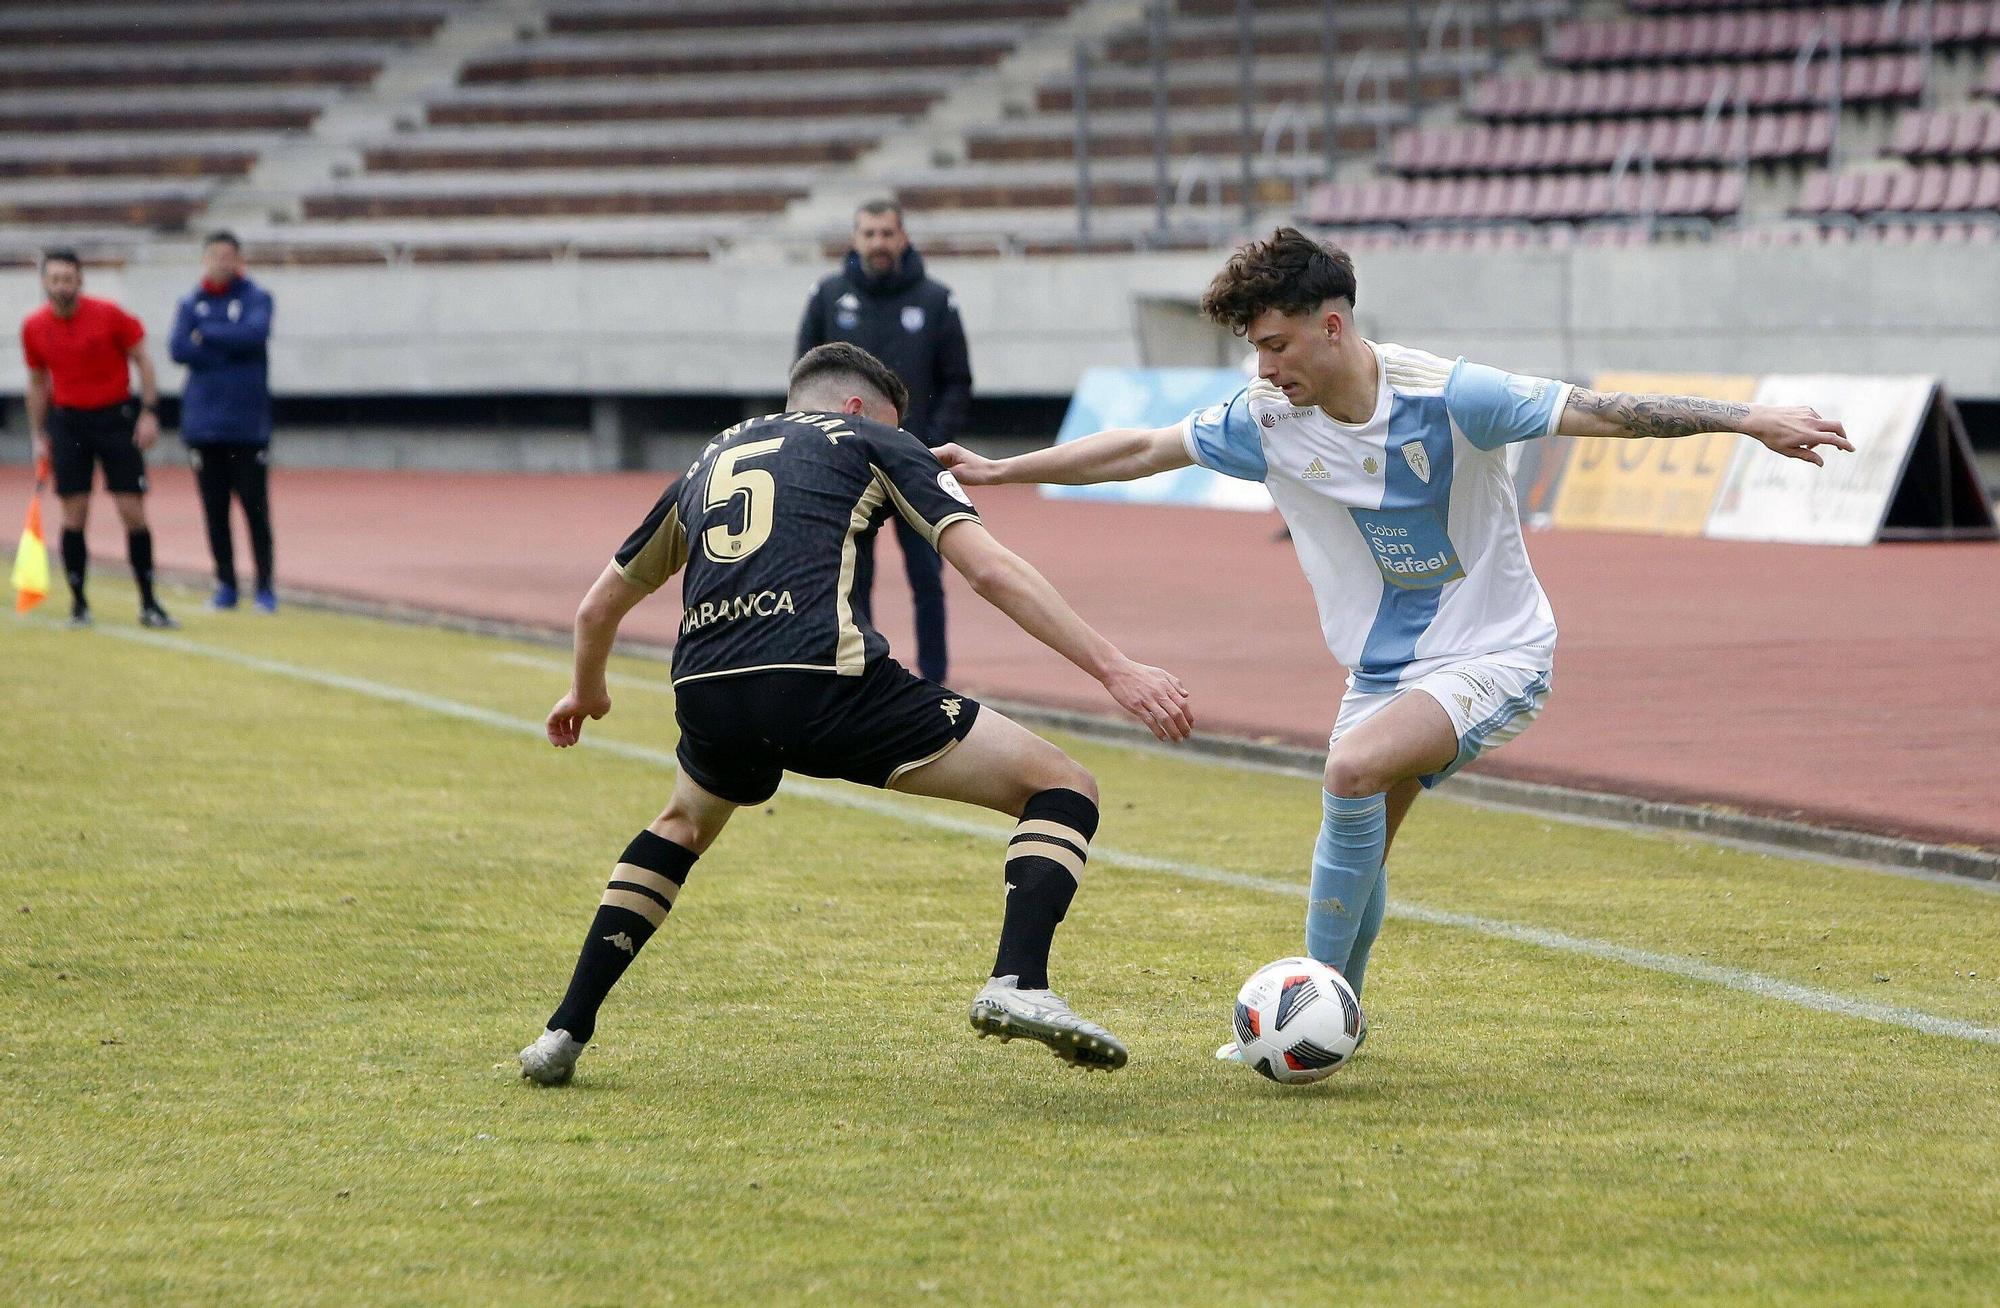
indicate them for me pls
(1661, 486)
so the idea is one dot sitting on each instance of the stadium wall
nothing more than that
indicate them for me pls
(593, 329)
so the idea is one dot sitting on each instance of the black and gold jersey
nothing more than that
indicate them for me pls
(765, 523)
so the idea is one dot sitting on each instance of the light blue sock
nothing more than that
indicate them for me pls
(1348, 890)
(1371, 926)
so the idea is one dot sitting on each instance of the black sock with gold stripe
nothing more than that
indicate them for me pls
(1044, 863)
(643, 888)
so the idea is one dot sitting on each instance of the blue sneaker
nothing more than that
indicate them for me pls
(267, 600)
(224, 598)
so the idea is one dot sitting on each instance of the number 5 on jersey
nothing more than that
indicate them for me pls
(758, 490)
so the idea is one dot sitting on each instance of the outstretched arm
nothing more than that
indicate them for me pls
(1121, 454)
(1011, 584)
(611, 597)
(1795, 432)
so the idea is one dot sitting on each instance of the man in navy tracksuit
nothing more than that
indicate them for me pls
(882, 301)
(220, 333)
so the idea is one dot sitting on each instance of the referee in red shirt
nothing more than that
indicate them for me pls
(81, 413)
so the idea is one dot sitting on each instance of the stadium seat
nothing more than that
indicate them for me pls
(1685, 89)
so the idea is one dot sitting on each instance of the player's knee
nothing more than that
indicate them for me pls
(1056, 771)
(1350, 778)
(1080, 780)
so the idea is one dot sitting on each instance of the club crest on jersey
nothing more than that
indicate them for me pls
(913, 318)
(1419, 460)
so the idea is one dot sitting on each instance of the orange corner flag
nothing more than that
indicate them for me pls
(31, 559)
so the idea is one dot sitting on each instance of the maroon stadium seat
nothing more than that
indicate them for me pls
(1930, 189)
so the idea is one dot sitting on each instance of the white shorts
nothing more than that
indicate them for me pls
(1489, 704)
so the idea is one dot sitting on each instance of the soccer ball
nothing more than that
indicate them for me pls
(1297, 1021)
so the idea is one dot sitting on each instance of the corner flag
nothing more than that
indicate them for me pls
(31, 556)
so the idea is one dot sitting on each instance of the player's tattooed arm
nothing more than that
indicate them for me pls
(1793, 431)
(1617, 413)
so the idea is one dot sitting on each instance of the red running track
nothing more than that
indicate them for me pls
(1856, 688)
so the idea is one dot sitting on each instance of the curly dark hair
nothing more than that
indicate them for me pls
(1291, 273)
(850, 363)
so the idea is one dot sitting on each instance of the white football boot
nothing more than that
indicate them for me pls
(1230, 1053)
(1002, 1008)
(551, 1060)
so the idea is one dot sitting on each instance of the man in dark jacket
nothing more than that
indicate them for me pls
(220, 333)
(882, 301)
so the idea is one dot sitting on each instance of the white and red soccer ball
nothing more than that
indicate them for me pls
(1298, 1020)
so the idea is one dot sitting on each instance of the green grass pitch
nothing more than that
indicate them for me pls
(272, 938)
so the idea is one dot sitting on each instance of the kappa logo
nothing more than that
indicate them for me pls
(952, 708)
(622, 941)
(1315, 471)
(1419, 460)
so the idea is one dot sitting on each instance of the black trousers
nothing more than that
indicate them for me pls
(926, 573)
(242, 472)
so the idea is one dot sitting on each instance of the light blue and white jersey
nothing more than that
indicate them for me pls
(1405, 524)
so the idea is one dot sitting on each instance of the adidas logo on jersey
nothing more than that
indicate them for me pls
(1315, 471)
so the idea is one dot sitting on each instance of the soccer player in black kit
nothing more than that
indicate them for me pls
(774, 673)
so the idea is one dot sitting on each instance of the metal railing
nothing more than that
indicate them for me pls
(1442, 22)
(1827, 35)
(1636, 149)
(1734, 99)
(1363, 68)
(1200, 171)
(1300, 167)
(1464, 37)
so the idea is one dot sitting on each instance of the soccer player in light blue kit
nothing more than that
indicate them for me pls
(1390, 468)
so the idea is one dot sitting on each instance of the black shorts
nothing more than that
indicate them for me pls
(740, 734)
(80, 439)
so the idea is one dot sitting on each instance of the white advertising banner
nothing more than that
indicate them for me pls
(1767, 497)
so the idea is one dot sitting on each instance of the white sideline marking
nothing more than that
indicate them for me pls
(1751, 983)
(1152, 748)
